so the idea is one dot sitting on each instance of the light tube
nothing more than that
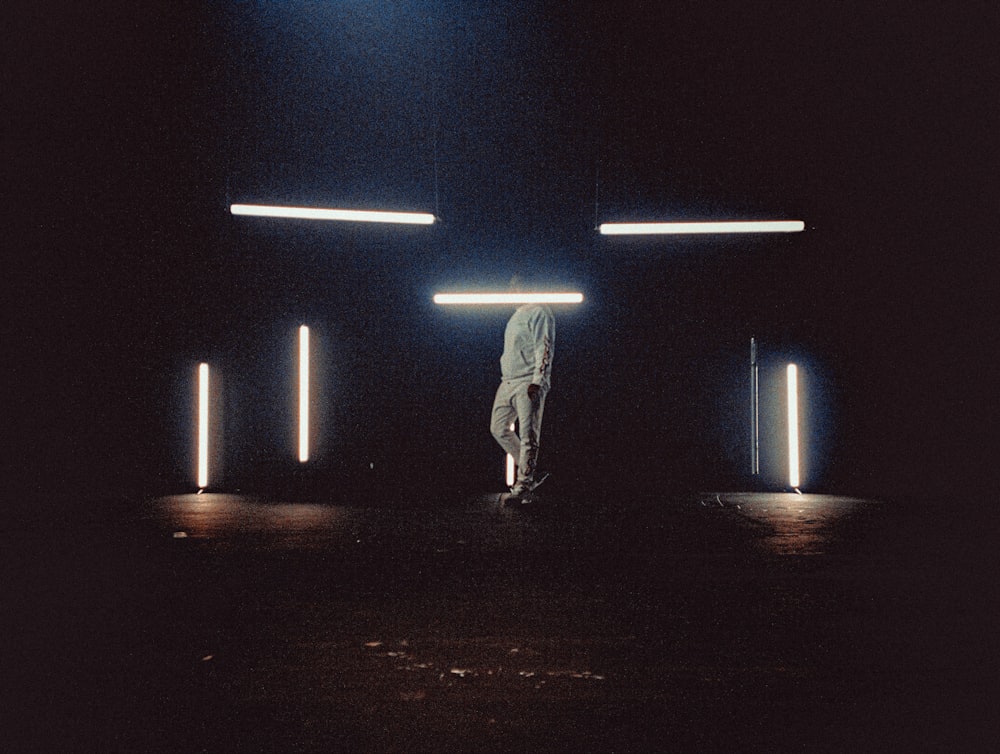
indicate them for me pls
(689, 228)
(511, 464)
(203, 426)
(793, 427)
(754, 410)
(507, 298)
(303, 394)
(349, 215)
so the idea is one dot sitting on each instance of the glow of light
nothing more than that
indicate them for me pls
(303, 394)
(507, 298)
(511, 468)
(203, 426)
(736, 226)
(348, 215)
(793, 427)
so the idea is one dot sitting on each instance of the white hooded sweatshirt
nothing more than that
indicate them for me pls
(528, 345)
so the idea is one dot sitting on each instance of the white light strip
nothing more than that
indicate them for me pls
(508, 298)
(349, 215)
(303, 394)
(203, 426)
(511, 464)
(793, 427)
(766, 226)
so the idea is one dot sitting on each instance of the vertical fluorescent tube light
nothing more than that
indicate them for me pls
(793, 427)
(202, 426)
(754, 410)
(303, 394)
(511, 468)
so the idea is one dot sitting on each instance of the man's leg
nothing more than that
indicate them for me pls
(529, 417)
(503, 417)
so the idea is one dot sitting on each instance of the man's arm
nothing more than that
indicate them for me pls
(543, 332)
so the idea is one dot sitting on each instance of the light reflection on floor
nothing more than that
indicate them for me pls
(229, 520)
(796, 524)
(220, 516)
(784, 524)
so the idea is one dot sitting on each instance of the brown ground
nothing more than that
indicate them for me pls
(710, 623)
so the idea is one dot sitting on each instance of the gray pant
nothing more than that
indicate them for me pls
(512, 403)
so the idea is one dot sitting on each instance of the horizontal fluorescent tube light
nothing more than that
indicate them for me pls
(508, 298)
(755, 226)
(349, 215)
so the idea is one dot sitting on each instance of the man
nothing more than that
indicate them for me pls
(525, 370)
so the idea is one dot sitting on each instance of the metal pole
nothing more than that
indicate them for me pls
(754, 410)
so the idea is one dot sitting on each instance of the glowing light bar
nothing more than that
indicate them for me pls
(507, 298)
(202, 426)
(348, 215)
(793, 427)
(511, 467)
(756, 226)
(754, 410)
(303, 394)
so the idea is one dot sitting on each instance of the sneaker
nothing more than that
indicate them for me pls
(520, 489)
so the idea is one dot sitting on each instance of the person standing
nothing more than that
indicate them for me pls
(525, 371)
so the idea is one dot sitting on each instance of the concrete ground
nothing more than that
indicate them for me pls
(701, 622)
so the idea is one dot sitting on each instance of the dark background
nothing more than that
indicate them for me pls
(128, 129)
